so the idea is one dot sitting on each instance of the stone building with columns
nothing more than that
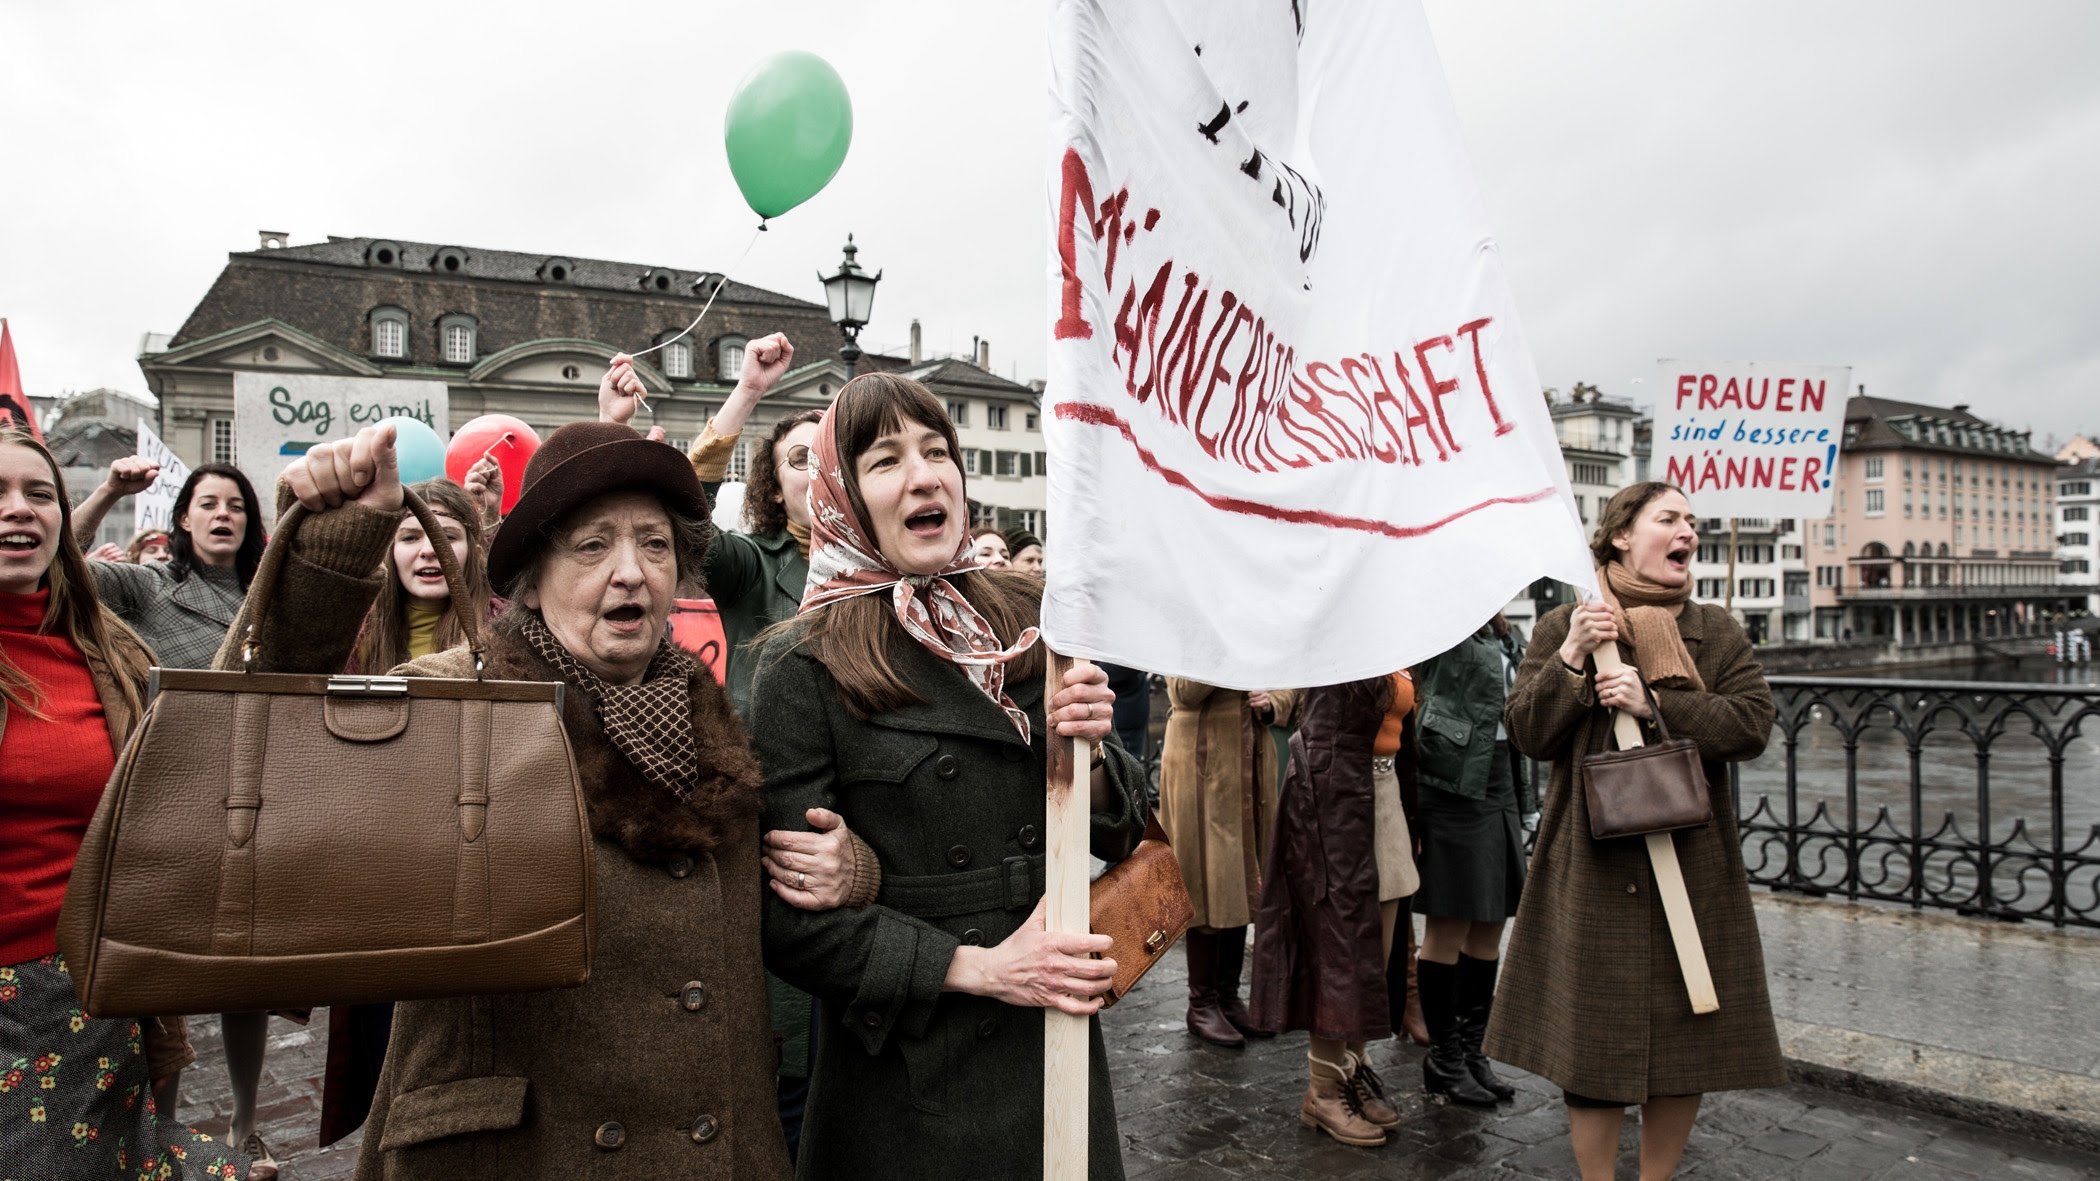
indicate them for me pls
(529, 335)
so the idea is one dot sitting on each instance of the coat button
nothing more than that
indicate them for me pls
(1029, 836)
(610, 1135)
(973, 937)
(1632, 889)
(693, 996)
(704, 1129)
(682, 867)
(871, 1019)
(986, 1028)
(959, 857)
(947, 767)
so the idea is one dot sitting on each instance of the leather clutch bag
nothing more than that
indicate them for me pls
(1143, 904)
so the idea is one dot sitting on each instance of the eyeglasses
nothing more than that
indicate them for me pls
(797, 458)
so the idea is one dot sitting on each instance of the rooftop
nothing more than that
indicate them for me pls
(1884, 423)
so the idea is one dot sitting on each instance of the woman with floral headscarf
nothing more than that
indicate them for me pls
(908, 697)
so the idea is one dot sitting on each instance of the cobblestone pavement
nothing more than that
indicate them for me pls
(1192, 1111)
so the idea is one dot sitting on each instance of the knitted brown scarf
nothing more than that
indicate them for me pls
(650, 723)
(1648, 623)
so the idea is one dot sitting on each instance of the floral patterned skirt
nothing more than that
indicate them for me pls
(74, 1098)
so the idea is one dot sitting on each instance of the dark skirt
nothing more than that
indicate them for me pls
(1472, 859)
(74, 1097)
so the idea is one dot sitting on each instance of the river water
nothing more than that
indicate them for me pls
(2017, 767)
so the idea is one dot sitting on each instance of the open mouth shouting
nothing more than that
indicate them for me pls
(928, 522)
(627, 619)
(1679, 558)
(430, 575)
(20, 541)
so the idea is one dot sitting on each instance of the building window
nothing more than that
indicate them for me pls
(456, 339)
(1874, 467)
(390, 333)
(1031, 520)
(1034, 423)
(222, 440)
(1791, 553)
(730, 350)
(1026, 466)
(1713, 588)
(1591, 473)
(681, 444)
(1874, 499)
(738, 459)
(958, 412)
(2077, 566)
(1009, 463)
(972, 461)
(1712, 552)
(2077, 488)
(1754, 588)
(678, 360)
(1830, 536)
(2076, 538)
(2076, 514)
(1042, 463)
(995, 417)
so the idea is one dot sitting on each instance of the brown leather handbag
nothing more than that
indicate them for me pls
(272, 841)
(1142, 903)
(1660, 787)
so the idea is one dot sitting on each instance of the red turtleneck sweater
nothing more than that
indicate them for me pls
(52, 771)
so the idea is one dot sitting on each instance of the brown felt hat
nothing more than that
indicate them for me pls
(577, 464)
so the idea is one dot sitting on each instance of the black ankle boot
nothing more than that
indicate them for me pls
(1444, 1067)
(1476, 1000)
(1232, 957)
(1204, 1020)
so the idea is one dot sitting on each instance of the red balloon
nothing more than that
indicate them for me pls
(509, 441)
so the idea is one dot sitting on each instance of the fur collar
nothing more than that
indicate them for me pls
(652, 825)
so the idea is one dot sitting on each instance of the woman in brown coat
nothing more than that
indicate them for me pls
(1340, 863)
(1217, 802)
(1591, 997)
(662, 1063)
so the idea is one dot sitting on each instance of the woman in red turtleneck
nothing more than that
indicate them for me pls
(74, 1097)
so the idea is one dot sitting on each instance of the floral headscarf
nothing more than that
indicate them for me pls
(843, 563)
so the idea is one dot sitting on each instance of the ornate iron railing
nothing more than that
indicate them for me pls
(1850, 838)
(1857, 797)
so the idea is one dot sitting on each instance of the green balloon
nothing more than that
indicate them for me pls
(787, 130)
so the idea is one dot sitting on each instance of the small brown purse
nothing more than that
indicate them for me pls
(1660, 787)
(277, 840)
(1143, 904)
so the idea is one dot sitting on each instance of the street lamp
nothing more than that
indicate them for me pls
(851, 294)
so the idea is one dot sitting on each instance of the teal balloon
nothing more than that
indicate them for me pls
(418, 451)
(787, 130)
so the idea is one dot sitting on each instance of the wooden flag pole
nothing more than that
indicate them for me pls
(1669, 875)
(1065, 824)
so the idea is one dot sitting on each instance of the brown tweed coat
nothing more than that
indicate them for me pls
(1591, 997)
(662, 1063)
(1217, 796)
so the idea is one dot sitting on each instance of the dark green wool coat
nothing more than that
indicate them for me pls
(1461, 695)
(913, 1082)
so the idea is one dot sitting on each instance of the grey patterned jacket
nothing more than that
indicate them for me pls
(183, 622)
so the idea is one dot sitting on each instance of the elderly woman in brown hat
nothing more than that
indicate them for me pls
(661, 1065)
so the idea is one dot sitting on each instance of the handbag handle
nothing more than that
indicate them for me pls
(1655, 713)
(274, 557)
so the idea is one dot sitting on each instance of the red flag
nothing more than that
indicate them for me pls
(14, 403)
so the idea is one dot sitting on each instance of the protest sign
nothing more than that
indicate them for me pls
(277, 417)
(1291, 410)
(155, 507)
(1750, 439)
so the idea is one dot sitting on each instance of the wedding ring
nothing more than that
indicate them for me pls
(802, 881)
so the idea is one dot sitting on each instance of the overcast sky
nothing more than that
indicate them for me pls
(1907, 187)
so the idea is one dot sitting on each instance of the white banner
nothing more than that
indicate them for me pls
(1291, 410)
(1750, 439)
(278, 416)
(155, 507)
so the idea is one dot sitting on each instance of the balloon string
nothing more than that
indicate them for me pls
(723, 282)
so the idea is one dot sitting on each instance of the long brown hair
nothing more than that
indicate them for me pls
(75, 609)
(383, 644)
(852, 637)
(1620, 513)
(764, 510)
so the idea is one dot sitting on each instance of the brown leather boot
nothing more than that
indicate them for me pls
(1411, 1022)
(1370, 1091)
(1331, 1106)
(1232, 958)
(1205, 1019)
